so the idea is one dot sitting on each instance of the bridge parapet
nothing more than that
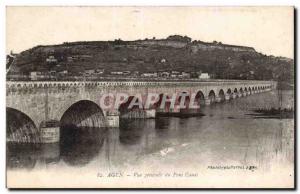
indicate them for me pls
(64, 84)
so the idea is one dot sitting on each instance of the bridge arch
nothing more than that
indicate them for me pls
(212, 96)
(241, 90)
(20, 127)
(221, 95)
(82, 124)
(236, 93)
(229, 93)
(180, 96)
(200, 98)
(245, 91)
(83, 113)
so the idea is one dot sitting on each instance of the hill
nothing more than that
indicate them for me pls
(177, 53)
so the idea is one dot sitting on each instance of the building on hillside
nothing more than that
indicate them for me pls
(116, 73)
(16, 76)
(89, 71)
(51, 59)
(185, 75)
(99, 71)
(163, 60)
(204, 76)
(175, 74)
(78, 58)
(63, 73)
(36, 75)
(135, 73)
(126, 72)
(164, 74)
(194, 74)
(70, 59)
(52, 73)
(149, 74)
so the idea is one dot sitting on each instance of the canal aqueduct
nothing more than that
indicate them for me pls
(50, 100)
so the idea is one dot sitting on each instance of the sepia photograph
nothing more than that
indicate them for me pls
(150, 97)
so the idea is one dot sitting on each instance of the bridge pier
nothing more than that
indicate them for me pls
(150, 113)
(113, 119)
(244, 94)
(218, 99)
(234, 96)
(49, 131)
(240, 95)
(227, 97)
(207, 101)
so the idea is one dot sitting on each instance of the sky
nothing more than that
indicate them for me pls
(268, 29)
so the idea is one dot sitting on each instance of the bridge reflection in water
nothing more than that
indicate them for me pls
(81, 145)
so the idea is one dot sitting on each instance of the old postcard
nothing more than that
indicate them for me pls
(150, 97)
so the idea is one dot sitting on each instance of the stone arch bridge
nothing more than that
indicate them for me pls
(50, 100)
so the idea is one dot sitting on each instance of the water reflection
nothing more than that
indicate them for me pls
(27, 156)
(80, 145)
(162, 126)
(50, 153)
(21, 155)
(131, 131)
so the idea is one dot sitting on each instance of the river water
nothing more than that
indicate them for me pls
(199, 147)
